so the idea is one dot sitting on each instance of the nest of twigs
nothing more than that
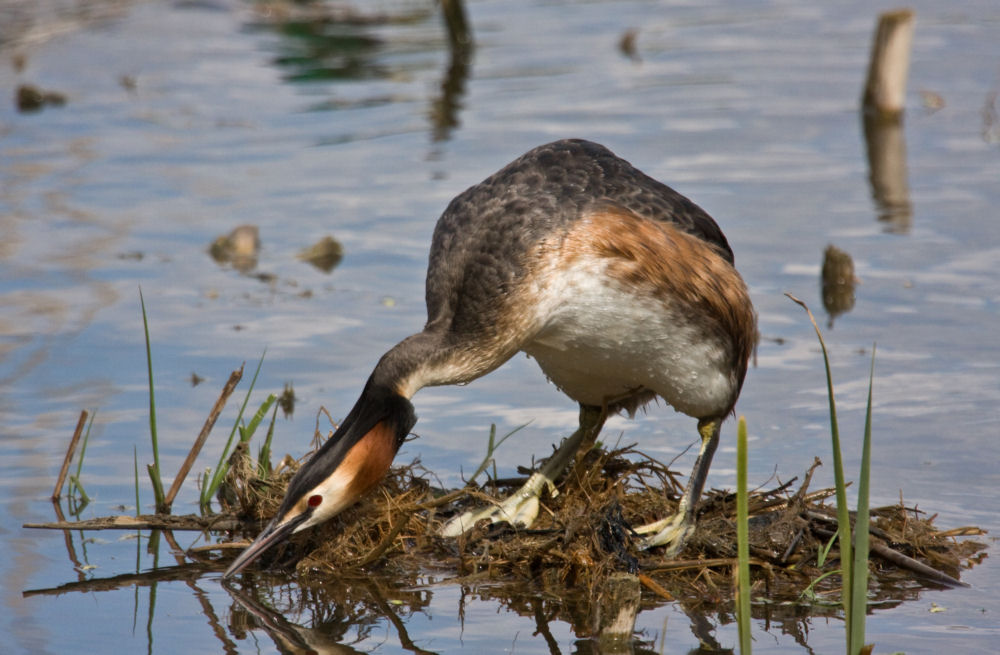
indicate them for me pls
(584, 533)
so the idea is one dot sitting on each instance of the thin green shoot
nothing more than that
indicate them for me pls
(853, 558)
(742, 540)
(247, 431)
(808, 592)
(825, 551)
(75, 487)
(264, 454)
(75, 480)
(154, 468)
(859, 576)
(214, 478)
(138, 549)
(79, 493)
(491, 447)
(135, 463)
(843, 514)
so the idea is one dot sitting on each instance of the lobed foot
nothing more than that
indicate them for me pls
(520, 509)
(672, 532)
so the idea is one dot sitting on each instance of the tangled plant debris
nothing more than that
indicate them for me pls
(583, 534)
(388, 544)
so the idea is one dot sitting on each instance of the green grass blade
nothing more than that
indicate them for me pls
(824, 551)
(75, 480)
(135, 463)
(79, 490)
(251, 427)
(264, 455)
(859, 577)
(154, 468)
(843, 513)
(743, 539)
(808, 592)
(491, 447)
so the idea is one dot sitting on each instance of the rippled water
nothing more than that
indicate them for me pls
(184, 120)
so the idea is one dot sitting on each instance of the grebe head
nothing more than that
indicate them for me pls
(350, 463)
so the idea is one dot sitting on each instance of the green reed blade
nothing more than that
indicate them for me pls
(843, 514)
(859, 576)
(154, 468)
(742, 539)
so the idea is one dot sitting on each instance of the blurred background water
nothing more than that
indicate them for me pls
(183, 120)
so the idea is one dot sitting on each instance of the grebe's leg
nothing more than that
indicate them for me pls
(674, 530)
(521, 508)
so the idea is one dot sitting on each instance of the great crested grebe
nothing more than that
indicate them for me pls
(621, 289)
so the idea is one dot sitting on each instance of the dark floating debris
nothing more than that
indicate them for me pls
(837, 282)
(325, 254)
(286, 401)
(627, 44)
(239, 248)
(31, 99)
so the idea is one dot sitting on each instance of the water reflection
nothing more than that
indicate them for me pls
(886, 147)
(334, 617)
(445, 107)
(323, 42)
(361, 609)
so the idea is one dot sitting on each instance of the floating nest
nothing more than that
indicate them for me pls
(579, 563)
(583, 535)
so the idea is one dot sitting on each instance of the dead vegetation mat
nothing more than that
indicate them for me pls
(583, 534)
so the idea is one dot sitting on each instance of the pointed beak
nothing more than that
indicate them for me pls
(272, 534)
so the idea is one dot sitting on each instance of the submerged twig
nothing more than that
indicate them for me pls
(903, 561)
(145, 522)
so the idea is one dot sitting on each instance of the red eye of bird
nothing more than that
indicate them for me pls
(315, 500)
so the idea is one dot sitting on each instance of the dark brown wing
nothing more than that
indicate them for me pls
(477, 254)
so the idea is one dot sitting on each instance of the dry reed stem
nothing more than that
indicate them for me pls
(57, 492)
(220, 403)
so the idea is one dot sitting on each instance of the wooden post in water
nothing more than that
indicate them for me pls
(882, 114)
(885, 89)
(614, 615)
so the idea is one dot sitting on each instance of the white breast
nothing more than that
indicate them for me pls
(599, 341)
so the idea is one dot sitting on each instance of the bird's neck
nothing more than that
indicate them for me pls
(420, 360)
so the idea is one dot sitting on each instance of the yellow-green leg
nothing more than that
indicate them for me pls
(521, 508)
(673, 531)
